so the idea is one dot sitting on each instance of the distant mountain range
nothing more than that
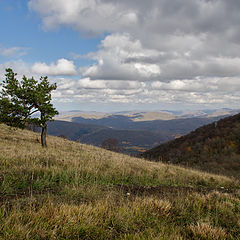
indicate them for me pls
(214, 147)
(135, 131)
(147, 115)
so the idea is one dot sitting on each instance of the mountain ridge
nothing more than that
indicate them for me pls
(127, 132)
(214, 147)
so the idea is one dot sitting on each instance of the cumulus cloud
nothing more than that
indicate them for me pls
(62, 67)
(193, 33)
(86, 83)
(153, 51)
(122, 57)
(90, 16)
(113, 60)
(140, 17)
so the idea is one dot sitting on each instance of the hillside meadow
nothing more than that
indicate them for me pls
(75, 191)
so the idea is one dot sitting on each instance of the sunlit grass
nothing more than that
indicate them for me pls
(73, 191)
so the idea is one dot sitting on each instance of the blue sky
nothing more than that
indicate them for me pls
(114, 55)
(22, 27)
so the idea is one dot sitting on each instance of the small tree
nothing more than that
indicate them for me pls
(19, 100)
(111, 144)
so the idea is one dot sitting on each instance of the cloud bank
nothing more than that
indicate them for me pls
(154, 51)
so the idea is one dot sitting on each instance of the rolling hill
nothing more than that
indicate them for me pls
(173, 126)
(133, 115)
(75, 191)
(130, 141)
(133, 136)
(214, 147)
(136, 131)
(138, 116)
(71, 130)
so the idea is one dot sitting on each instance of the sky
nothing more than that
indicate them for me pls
(119, 55)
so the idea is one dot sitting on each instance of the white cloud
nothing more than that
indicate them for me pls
(113, 60)
(198, 92)
(195, 35)
(62, 67)
(217, 91)
(120, 57)
(86, 83)
(13, 52)
(20, 67)
(216, 85)
(155, 51)
(91, 16)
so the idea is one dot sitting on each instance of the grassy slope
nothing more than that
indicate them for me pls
(75, 191)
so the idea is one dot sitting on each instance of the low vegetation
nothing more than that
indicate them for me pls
(75, 191)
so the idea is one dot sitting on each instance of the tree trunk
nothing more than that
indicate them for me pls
(44, 135)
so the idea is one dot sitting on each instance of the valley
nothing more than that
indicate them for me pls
(134, 130)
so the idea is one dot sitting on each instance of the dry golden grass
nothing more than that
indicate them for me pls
(206, 231)
(75, 191)
(20, 150)
(103, 219)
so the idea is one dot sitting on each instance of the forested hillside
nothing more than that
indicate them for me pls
(214, 147)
